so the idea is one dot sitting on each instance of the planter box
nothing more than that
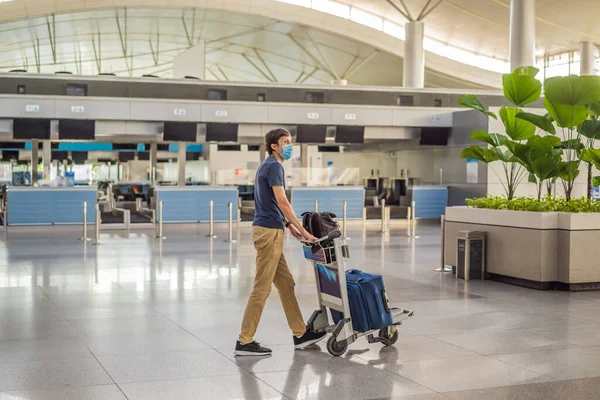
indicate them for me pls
(539, 250)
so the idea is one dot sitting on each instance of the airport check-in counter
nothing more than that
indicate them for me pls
(330, 199)
(50, 205)
(191, 203)
(430, 201)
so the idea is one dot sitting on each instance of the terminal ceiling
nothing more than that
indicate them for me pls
(269, 41)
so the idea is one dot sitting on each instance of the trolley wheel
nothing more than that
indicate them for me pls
(336, 348)
(389, 339)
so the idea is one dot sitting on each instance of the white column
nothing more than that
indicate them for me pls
(262, 150)
(414, 55)
(153, 162)
(181, 160)
(46, 157)
(190, 62)
(587, 55)
(34, 162)
(522, 33)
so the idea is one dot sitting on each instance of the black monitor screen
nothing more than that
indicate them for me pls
(76, 129)
(77, 89)
(10, 155)
(229, 147)
(124, 146)
(311, 133)
(60, 155)
(26, 128)
(350, 134)
(434, 136)
(162, 147)
(180, 132)
(125, 156)
(12, 145)
(221, 132)
(79, 157)
(145, 156)
(328, 149)
(192, 156)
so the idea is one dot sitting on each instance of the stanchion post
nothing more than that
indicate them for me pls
(316, 206)
(97, 226)
(409, 222)
(230, 221)
(383, 227)
(345, 219)
(84, 237)
(414, 219)
(443, 267)
(160, 222)
(211, 209)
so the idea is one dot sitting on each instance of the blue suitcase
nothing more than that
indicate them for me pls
(368, 300)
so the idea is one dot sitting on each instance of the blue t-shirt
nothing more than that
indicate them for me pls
(266, 211)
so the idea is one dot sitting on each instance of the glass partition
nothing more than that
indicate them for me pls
(295, 177)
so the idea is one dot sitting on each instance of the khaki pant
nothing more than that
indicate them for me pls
(271, 268)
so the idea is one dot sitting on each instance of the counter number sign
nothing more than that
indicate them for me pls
(179, 112)
(221, 113)
(312, 115)
(32, 108)
(77, 109)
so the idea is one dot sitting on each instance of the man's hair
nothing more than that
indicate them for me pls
(273, 136)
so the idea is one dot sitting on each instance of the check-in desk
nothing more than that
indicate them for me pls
(191, 203)
(430, 201)
(50, 205)
(331, 198)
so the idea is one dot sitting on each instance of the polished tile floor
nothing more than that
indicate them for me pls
(139, 318)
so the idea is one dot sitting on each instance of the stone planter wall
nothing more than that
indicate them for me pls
(540, 250)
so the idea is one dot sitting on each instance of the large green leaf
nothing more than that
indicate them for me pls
(469, 100)
(545, 168)
(519, 153)
(590, 129)
(573, 90)
(521, 87)
(594, 109)
(573, 144)
(540, 121)
(568, 171)
(517, 129)
(596, 181)
(485, 155)
(493, 139)
(532, 178)
(545, 145)
(591, 156)
(566, 116)
(526, 71)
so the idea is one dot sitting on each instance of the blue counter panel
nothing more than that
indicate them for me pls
(330, 199)
(192, 205)
(39, 206)
(430, 202)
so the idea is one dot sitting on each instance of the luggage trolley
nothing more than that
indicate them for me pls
(328, 256)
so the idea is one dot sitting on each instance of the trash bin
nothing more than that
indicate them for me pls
(470, 255)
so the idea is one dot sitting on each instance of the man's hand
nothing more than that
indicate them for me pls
(295, 233)
(308, 237)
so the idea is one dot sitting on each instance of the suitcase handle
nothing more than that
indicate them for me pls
(354, 271)
(386, 301)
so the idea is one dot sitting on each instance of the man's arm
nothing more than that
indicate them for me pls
(286, 209)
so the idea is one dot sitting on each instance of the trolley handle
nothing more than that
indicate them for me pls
(329, 236)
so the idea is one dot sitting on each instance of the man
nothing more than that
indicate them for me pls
(273, 213)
